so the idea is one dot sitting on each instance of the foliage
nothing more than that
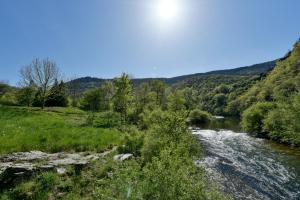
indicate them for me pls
(3, 89)
(9, 98)
(132, 143)
(254, 116)
(283, 124)
(42, 73)
(123, 95)
(281, 87)
(92, 100)
(167, 170)
(170, 130)
(57, 96)
(176, 101)
(25, 95)
(197, 116)
(108, 119)
(216, 93)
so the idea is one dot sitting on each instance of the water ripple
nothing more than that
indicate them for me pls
(247, 167)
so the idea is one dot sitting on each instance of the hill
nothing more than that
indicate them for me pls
(85, 83)
(273, 104)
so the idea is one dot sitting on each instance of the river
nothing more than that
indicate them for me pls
(247, 167)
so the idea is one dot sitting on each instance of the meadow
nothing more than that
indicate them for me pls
(51, 130)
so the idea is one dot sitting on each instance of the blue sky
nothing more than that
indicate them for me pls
(103, 38)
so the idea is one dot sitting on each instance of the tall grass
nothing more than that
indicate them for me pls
(51, 130)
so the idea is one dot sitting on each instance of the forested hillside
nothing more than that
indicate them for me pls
(273, 104)
(86, 83)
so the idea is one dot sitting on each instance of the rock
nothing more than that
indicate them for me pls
(61, 170)
(122, 157)
(24, 156)
(16, 166)
(12, 173)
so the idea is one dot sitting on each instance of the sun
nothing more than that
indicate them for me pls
(167, 10)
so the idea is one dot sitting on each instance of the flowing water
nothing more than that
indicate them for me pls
(248, 167)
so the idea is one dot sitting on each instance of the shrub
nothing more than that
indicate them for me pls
(57, 96)
(107, 119)
(92, 100)
(132, 143)
(150, 118)
(3, 89)
(283, 124)
(197, 116)
(253, 117)
(25, 96)
(9, 99)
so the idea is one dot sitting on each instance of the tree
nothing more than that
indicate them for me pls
(74, 91)
(3, 89)
(92, 100)
(197, 116)
(176, 101)
(42, 73)
(159, 87)
(123, 95)
(108, 91)
(191, 98)
(253, 117)
(25, 95)
(57, 95)
(143, 97)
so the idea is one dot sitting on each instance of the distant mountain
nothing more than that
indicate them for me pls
(85, 83)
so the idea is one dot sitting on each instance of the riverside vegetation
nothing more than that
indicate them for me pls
(148, 122)
(148, 119)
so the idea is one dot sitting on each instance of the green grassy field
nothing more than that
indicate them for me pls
(51, 130)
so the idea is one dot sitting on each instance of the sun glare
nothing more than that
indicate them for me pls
(167, 10)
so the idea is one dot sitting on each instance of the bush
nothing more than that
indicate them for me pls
(283, 124)
(150, 118)
(25, 96)
(57, 96)
(132, 144)
(107, 119)
(92, 100)
(3, 89)
(253, 117)
(9, 99)
(197, 116)
(171, 129)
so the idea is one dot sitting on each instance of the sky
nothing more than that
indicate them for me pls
(145, 38)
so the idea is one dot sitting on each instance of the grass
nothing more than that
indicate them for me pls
(72, 185)
(51, 130)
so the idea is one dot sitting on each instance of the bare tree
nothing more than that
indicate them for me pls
(42, 73)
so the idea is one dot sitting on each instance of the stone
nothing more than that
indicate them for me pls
(122, 157)
(61, 170)
(21, 165)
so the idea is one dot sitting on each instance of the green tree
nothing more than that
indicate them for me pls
(92, 100)
(253, 117)
(3, 89)
(159, 88)
(191, 98)
(25, 95)
(57, 96)
(197, 116)
(176, 101)
(123, 95)
(108, 91)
